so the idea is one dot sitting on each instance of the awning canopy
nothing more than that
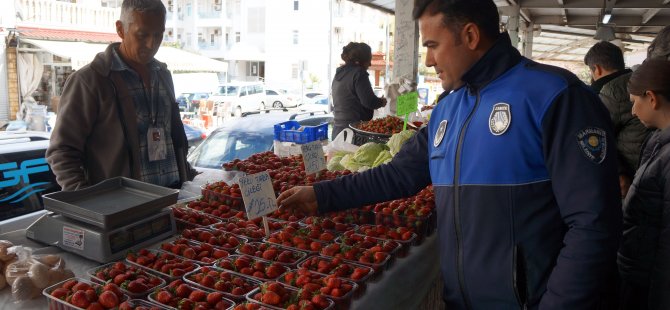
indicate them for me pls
(82, 53)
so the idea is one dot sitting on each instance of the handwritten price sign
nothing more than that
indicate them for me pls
(407, 103)
(258, 194)
(312, 155)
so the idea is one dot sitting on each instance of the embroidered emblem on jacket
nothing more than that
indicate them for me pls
(593, 142)
(500, 118)
(439, 134)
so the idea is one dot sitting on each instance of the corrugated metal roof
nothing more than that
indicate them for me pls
(564, 29)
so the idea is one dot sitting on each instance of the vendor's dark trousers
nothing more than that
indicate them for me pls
(632, 297)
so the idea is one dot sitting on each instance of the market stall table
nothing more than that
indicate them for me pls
(403, 286)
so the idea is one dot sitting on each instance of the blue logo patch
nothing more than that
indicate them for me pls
(593, 142)
(14, 174)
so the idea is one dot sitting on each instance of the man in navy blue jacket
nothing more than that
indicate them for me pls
(523, 163)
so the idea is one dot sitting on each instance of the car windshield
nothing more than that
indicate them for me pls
(229, 90)
(225, 146)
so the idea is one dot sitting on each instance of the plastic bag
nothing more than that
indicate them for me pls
(30, 274)
(342, 143)
(392, 91)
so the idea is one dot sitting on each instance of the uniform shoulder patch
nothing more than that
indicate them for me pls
(593, 143)
(439, 134)
(500, 118)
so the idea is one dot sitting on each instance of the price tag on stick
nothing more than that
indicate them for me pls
(258, 194)
(312, 155)
(407, 103)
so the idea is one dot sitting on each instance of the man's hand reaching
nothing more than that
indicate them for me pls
(302, 198)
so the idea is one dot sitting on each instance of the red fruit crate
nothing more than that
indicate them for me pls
(179, 294)
(189, 218)
(407, 239)
(274, 253)
(217, 238)
(56, 303)
(232, 284)
(209, 195)
(164, 264)
(299, 278)
(340, 268)
(252, 266)
(288, 296)
(129, 273)
(422, 225)
(202, 253)
(389, 246)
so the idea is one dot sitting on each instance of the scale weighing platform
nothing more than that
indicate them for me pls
(105, 221)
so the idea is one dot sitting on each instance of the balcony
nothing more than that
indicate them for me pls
(64, 15)
(210, 15)
(209, 46)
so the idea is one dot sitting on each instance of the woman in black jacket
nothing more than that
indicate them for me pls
(644, 255)
(353, 97)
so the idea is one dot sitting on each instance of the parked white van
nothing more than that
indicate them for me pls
(239, 98)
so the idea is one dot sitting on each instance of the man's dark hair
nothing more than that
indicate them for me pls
(605, 54)
(148, 6)
(457, 13)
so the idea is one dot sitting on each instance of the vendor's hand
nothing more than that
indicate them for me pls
(383, 101)
(300, 197)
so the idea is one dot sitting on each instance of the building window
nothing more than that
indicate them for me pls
(296, 5)
(295, 37)
(295, 71)
(237, 37)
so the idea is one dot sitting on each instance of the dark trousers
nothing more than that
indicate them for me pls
(632, 297)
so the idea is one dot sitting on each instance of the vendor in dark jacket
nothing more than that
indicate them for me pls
(523, 165)
(644, 256)
(353, 97)
(610, 78)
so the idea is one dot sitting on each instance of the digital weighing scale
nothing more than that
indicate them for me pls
(105, 221)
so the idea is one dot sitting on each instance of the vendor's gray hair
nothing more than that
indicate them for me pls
(660, 47)
(149, 6)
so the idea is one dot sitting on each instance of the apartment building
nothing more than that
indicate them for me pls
(290, 44)
(286, 43)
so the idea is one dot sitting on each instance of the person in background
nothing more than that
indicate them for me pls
(610, 78)
(660, 46)
(118, 115)
(353, 97)
(521, 161)
(644, 255)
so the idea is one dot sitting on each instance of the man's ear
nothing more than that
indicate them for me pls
(119, 29)
(597, 71)
(471, 35)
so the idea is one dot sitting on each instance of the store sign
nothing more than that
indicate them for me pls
(407, 103)
(258, 194)
(14, 174)
(312, 155)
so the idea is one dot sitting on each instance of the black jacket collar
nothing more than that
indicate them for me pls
(497, 60)
(597, 86)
